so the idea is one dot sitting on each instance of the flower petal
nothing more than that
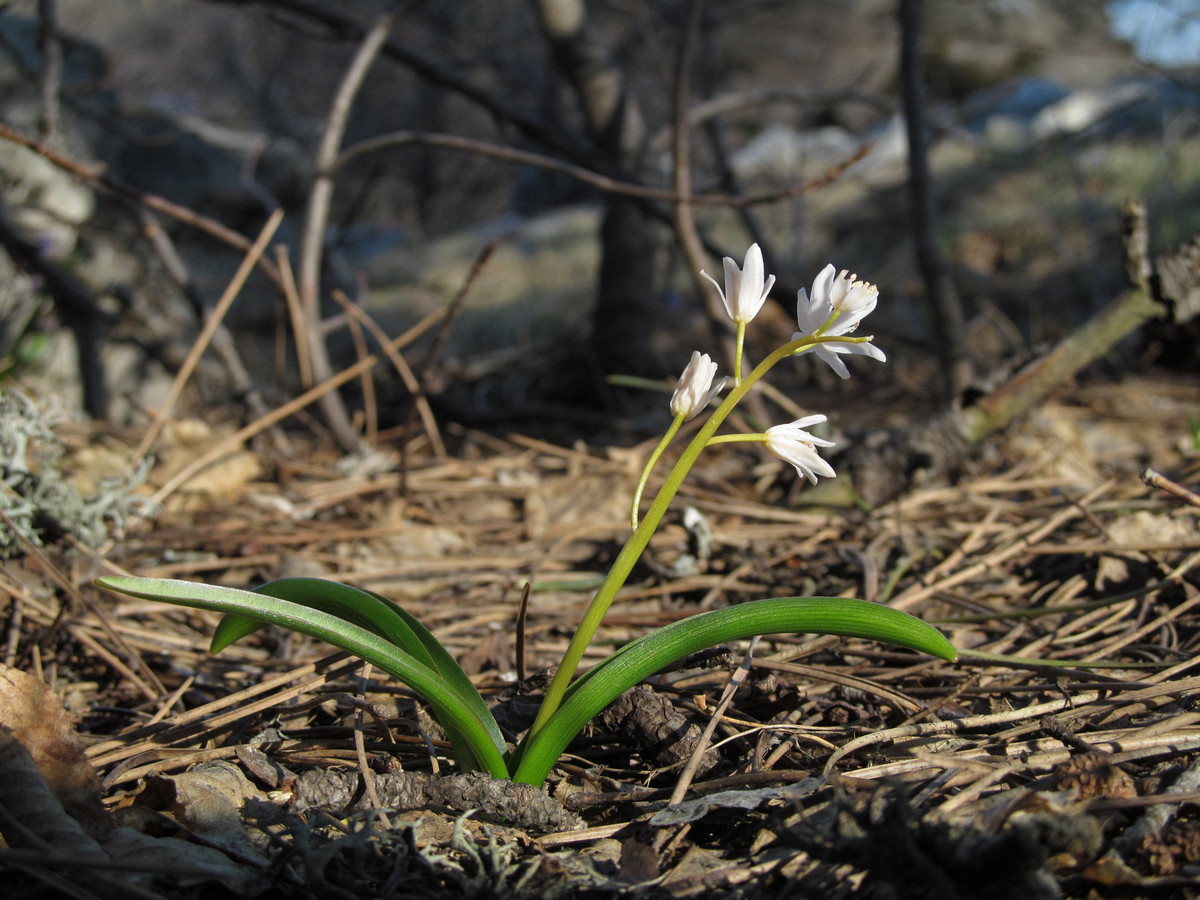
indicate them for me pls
(812, 312)
(840, 288)
(717, 286)
(733, 287)
(745, 288)
(859, 301)
(695, 389)
(804, 317)
(751, 293)
(795, 446)
(823, 286)
(837, 306)
(826, 353)
(765, 292)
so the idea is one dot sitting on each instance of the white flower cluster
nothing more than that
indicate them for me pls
(835, 308)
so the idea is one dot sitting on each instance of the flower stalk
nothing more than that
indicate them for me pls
(640, 538)
(650, 464)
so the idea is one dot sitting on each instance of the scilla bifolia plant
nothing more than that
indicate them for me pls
(382, 633)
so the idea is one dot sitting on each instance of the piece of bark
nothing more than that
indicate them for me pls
(520, 805)
(658, 731)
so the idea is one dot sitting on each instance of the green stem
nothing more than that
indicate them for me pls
(658, 451)
(737, 354)
(637, 542)
(735, 438)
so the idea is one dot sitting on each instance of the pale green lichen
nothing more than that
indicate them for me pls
(38, 500)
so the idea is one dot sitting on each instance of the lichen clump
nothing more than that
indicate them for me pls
(38, 501)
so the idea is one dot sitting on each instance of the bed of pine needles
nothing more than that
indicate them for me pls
(840, 768)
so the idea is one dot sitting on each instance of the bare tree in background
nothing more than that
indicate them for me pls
(943, 299)
(623, 320)
(495, 81)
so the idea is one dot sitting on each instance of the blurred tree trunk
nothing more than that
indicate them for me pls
(943, 299)
(624, 318)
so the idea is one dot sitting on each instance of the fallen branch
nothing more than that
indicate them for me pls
(1168, 289)
(518, 804)
(94, 174)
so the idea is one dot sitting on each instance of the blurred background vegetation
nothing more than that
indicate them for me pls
(1041, 121)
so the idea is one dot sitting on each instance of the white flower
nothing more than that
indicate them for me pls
(695, 389)
(794, 445)
(745, 288)
(846, 301)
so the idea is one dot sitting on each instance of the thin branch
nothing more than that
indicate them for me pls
(705, 114)
(151, 686)
(357, 335)
(685, 219)
(235, 440)
(522, 618)
(702, 745)
(495, 104)
(360, 704)
(222, 340)
(743, 101)
(944, 301)
(419, 401)
(1081, 347)
(1157, 480)
(291, 297)
(358, 316)
(50, 120)
(313, 240)
(591, 177)
(215, 318)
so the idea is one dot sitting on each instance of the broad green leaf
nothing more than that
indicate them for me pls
(473, 737)
(639, 659)
(390, 621)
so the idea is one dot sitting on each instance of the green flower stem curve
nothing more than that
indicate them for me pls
(650, 463)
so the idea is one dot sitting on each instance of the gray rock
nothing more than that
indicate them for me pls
(780, 151)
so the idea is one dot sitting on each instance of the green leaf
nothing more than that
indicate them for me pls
(231, 629)
(367, 610)
(476, 739)
(390, 621)
(639, 659)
